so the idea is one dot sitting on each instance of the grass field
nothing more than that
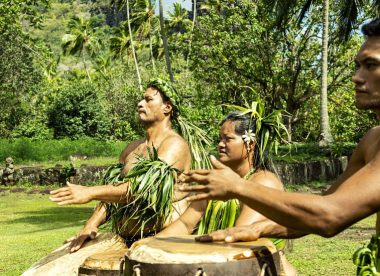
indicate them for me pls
(31, 227)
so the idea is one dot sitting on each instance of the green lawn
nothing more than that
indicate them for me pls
(31, 227)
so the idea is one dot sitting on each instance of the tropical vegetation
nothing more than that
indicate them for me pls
(72, 69)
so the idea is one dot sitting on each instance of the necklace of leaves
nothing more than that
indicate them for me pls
(150, 193)
(221, 214)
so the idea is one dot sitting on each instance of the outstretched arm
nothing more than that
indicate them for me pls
(260, 229)
(173, 151)
(356, 198)
(78, 194)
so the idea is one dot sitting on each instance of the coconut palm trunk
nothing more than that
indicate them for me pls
(133, 48)
(192, 31)
(151, 51)
(326, 137)
(85, 66)
(165, 40)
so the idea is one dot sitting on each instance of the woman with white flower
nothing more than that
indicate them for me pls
(239, 148)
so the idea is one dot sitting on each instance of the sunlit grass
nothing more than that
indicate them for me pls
(31, 227)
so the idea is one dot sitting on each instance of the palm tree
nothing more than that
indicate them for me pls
(178, 18)
(165, 40)
(133, 48)
(120, 43)
(326, 137)
(82, 39)
(194, 5)
(350, 9)
(120, 4)
(144, 20)
(102, 63)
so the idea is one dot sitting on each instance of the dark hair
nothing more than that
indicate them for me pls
(372, 28)
(244, 123)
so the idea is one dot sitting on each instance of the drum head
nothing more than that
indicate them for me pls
(183, 256)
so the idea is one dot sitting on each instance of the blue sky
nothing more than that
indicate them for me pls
(169, 3)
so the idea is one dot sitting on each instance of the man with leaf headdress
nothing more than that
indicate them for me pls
(142, 200)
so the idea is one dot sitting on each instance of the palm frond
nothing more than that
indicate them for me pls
(348, 17)
(150, 193)
(219, 215)
(269, 127)
(197, 140)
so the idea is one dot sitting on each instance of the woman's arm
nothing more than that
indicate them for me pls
(266, 178)
(187, 222)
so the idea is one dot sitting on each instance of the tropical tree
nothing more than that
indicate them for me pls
(83, 39)
(326, 136)
(194, 5)
(178, 18)
(348, 17)
(165, 40)
(216, 5)
(145, 22)
(132, 47)
(120, 42)
(120, 4)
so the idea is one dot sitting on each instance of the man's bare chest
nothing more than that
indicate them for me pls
(132, 158)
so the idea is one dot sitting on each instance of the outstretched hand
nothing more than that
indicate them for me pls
(218, 183)
(239, 233)
(71, 194)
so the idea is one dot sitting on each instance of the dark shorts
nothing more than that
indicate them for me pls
(130, 240)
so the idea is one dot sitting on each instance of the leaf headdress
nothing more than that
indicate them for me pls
(268, 127)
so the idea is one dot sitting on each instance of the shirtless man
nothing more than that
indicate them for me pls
(354, 196)
(155, 112)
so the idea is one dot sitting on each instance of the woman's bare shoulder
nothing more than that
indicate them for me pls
(267, 178)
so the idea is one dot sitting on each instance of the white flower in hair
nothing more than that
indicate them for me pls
(249, 136)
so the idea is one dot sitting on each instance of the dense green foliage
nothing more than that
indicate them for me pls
(67, 67)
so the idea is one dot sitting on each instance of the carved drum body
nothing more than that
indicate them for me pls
(183, 256)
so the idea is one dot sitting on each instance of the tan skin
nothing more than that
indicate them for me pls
(354, 196)
(155, 114)
(232, 152)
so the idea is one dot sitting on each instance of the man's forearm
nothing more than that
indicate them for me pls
(98, 217)
(304, 213)
(270, 229)
(109, 193)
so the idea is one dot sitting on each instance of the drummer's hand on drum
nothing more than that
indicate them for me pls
(238, 233)
(86, 234)
(71, 194)
(219, 183)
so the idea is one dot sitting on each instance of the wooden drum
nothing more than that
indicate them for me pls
(109, 261)
(183, 256)
(100, 256)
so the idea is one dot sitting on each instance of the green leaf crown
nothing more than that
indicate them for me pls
(269, 128)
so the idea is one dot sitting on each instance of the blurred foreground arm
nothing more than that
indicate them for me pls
(323, 215)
